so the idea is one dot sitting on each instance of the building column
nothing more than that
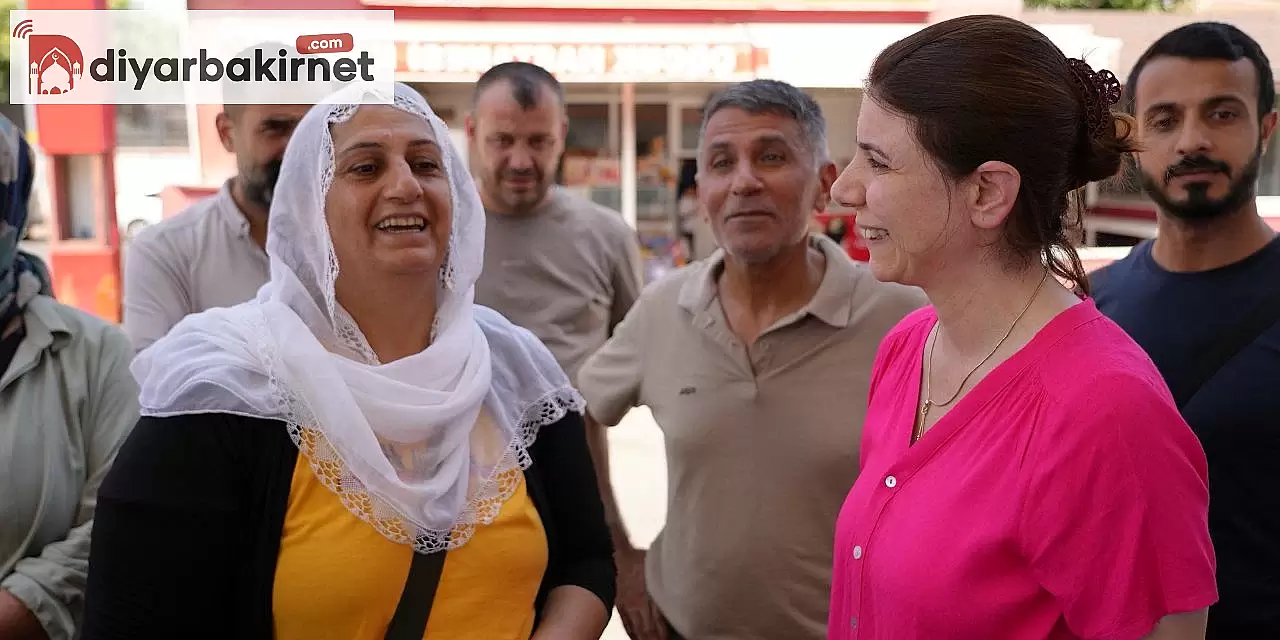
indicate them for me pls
(79, 142)
(628, 164)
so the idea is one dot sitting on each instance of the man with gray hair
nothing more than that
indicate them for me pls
(756, 364)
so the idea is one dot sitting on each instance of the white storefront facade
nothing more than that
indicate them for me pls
(635, 91)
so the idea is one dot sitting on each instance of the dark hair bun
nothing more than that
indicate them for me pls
(984, 87)
(1101, 156)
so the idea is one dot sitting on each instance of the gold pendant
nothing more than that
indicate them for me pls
(917, 429)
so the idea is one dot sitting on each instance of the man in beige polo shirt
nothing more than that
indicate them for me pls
(556, 264)
(212, 254)
(756, 365)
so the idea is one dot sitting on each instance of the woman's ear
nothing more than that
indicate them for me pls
(995, 190)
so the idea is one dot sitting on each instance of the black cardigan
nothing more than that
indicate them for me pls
(188, 524)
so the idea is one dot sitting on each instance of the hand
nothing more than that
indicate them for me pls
(16, 620)
(640, 616)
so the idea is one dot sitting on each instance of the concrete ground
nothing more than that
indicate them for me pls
(638, 465)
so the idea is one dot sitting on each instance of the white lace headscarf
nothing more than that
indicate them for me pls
(405, 444)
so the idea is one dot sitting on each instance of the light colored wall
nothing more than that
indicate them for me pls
(840, 107)
(1138, 30)
(141, 173)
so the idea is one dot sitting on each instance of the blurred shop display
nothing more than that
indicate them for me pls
(839, 226)
(174, 198)
(594, 171)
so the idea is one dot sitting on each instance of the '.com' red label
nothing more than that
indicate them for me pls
(325, 43)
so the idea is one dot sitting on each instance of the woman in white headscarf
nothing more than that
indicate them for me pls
(360, 452)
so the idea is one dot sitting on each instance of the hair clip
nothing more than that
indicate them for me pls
(1100, 90)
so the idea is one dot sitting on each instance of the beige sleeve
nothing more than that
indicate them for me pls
(155, 296)
(610, 379)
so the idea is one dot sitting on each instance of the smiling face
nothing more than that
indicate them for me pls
(758, 183)
(389, 210)
(1202, 138)
(912, 222)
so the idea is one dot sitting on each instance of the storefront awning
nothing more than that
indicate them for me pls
(806, 55)
(649, 5)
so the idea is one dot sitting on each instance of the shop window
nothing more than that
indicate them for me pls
(655, 179)
(587, 163)
(655, 188)
(651, 131)
(151, 125)
(588, 128)
(690, 127)
(74, 180)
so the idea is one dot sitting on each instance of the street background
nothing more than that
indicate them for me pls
(627, 120)
(639, 468)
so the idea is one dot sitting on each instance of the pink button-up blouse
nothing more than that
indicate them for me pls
(1063, 497)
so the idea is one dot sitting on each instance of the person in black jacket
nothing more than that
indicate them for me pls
(360, 452)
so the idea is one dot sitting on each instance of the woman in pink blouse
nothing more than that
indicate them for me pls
(1025, 473)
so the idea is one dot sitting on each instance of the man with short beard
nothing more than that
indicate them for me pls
(213, 253)
(756, 363)
(556, 264)
(1203, 298)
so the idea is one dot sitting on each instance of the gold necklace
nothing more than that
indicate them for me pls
(918, 429)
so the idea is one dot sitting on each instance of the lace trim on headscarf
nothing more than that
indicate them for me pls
(327, 466)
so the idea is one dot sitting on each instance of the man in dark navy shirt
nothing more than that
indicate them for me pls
(1204, 99)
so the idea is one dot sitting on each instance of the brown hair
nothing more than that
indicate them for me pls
(984, 87)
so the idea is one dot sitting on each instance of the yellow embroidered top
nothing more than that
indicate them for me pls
(487, 587)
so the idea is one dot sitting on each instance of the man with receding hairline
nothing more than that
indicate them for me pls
(561, 266)
(213, 253)
(756, 364)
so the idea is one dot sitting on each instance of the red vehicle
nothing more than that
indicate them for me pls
(839, 226)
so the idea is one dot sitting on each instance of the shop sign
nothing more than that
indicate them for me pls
(465, 61)
(660, 5)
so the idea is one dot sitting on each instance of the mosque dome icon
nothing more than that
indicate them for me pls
(56, 64)
(56, 77)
